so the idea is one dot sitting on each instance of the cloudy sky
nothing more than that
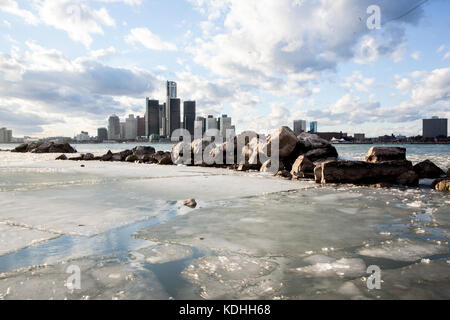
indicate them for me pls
(66, 65)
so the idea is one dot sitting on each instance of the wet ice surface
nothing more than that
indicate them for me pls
(250, 237)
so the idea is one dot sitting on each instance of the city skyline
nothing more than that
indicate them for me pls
(61, 73)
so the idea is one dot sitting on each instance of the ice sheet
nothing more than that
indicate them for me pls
(102, 279)
(13, 238)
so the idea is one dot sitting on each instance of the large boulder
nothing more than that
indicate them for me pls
(88, 157)
(428, 170)
(45, 147)
(163, 158)
(322, 153)
(409, 178)
(178, 153)
(22, 148)
(143, 150)
(287, 141)
(198, 147)
(107, 156)
(268, 167)
(132, 158)
(360, 172)
(382, 154)
(312, 141)
(303, 168)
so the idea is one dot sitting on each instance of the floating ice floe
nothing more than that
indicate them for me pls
(235, 276)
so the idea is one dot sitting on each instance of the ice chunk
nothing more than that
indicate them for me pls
(13, 238)
(164, 253)
(233, 276)
(104, 279)
(403, 250)
(342, 267)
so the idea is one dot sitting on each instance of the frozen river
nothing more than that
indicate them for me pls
(251, 236)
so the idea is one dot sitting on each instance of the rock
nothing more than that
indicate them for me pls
(448, 172)
(191, 203)
(286, 139)
(143, 150)
(147, 158)
(382, 154)
(132, 158)
(107, 157)
(163, 158)
(124, 154)
(45, 147)
(312, 141)
(284, 174)
(428, 170)
(116, 157)
(62, 157)
(443, 185)
(409, 178)
(303, 168)
(178, 153)
(322, 153)
(360, 172)
(268, 168)
(88, 157)
(198, 147)
(22, 148)
(42, 148)
(76, 158)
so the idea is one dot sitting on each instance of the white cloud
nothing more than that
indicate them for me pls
(12, 7)
(148, 39)
(75, 17)
(103, 52)
(358, 82)
(48, 83)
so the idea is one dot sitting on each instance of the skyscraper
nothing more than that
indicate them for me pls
(141, 126)
(102, 134)
(152, 117)
(175, 115)
(114, 128)
(435, 127)
(189, 116)
(211, 123)
(131, 127)
(313, 127)
(299, 126)
(225, 126)
(5, 135)
(171, 88)
(200, 123)
(162, 123)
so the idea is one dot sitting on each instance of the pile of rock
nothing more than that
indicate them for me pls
(306, 156)
(44, 147)
(141, 154)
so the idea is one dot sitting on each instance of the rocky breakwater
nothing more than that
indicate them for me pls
(384, 166)
(44, 147)
(141, 154)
